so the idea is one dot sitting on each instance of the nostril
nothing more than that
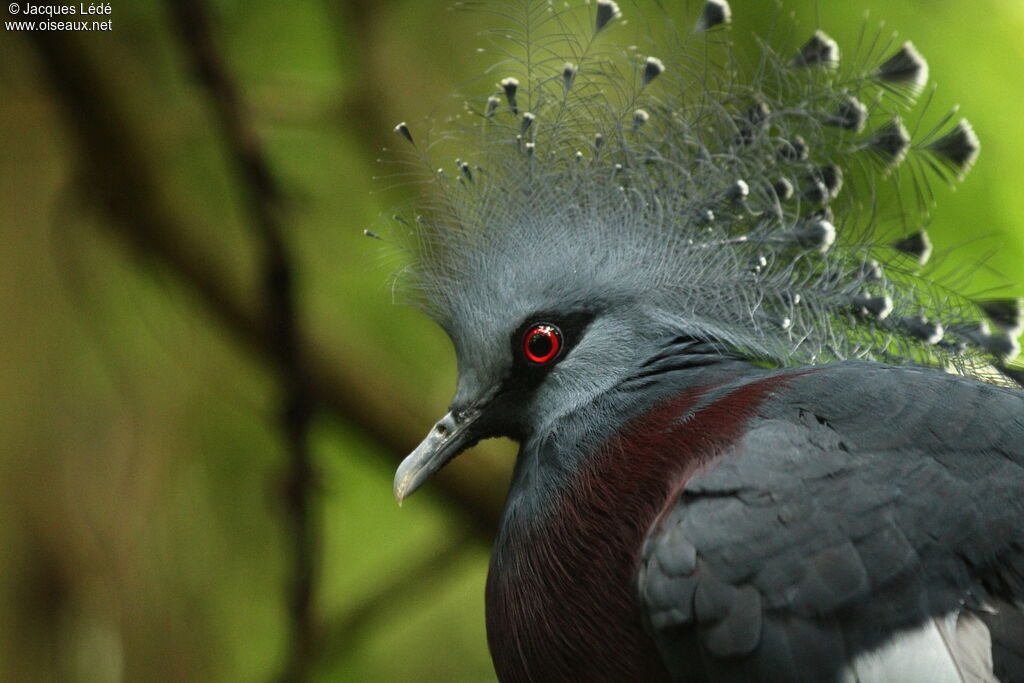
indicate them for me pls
(440, 429)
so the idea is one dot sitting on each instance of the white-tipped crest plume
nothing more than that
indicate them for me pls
(746, 200)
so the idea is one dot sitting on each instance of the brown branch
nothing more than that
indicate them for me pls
(122, 179)
(393, 597)
(265, 208)
(365, 104)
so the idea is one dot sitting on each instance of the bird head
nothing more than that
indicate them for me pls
(608, 202)
(536, 344)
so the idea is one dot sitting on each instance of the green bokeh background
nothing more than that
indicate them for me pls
(140, 460)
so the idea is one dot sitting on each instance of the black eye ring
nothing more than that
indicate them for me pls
(542, 343)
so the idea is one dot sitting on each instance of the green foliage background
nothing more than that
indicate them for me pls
(140, 461)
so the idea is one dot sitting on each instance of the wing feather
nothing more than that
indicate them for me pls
(856, 530)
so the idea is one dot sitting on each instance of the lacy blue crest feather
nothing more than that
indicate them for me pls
(776, 204)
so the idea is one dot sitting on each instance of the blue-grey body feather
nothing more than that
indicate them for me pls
(840, 519)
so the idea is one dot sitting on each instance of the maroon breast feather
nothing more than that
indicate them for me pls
(560, 607)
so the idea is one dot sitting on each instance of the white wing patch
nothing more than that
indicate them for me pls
(952, 649)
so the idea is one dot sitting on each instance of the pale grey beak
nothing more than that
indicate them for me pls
(449, 437)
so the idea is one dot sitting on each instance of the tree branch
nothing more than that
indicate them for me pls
(263, 200)
(147, 218)
(394, 596)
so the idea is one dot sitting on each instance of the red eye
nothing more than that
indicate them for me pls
(541, 343)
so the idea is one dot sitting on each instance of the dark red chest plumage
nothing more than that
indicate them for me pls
(561, 603)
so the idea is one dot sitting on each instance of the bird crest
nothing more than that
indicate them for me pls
(774, 204)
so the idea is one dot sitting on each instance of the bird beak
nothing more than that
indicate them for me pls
(449, 437)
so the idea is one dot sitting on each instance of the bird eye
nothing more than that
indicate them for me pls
(542, 343)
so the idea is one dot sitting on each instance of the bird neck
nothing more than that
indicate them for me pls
(557, 461)
(560, 591)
